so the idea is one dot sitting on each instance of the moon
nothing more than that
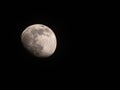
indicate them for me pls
(39, 40)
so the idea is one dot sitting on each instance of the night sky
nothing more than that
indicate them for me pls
(74, 29)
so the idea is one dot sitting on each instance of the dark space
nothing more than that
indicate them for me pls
(75, 29)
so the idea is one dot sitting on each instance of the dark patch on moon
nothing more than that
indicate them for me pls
(47, 30)
(36, 32)
(40, 32)
(36, 49)
(42, 26)
(26, 39)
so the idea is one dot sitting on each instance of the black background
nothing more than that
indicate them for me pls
(77, 30)
(83, 55)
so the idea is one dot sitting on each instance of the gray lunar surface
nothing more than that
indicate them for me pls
(39, 40)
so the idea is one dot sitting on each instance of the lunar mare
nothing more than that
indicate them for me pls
(39, 40)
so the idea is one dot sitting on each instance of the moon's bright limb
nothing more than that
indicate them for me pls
(39, 39)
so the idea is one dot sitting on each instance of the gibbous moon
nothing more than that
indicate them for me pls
(39, 40)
